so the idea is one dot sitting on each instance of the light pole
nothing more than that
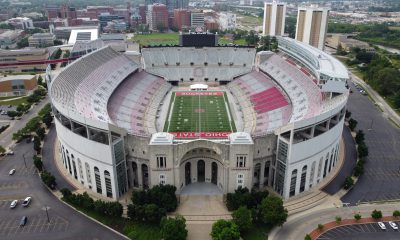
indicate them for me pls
(46, 208)
(23, 156)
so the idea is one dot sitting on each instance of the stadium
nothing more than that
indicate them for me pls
(201, 115)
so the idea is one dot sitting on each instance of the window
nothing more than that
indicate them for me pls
(80, 169)
(163, 179)
(88, 176)
(240, 180)
(161, 161)
(108, 183)
(241, 161)
(98, 181)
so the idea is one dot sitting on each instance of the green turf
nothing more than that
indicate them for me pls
(199, 114)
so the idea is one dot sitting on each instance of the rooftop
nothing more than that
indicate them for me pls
(16, 77)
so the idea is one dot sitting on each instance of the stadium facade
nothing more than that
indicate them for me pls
(112, 117)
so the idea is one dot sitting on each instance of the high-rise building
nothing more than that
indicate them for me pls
(274, 18)
(157, 16)
(197, 19)
(142, 13)
(312, 24)
(181, 19)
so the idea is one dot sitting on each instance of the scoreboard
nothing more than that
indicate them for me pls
(198, 39)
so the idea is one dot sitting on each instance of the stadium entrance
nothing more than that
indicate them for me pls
(202, 172)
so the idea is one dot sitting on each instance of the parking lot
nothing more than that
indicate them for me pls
(361, 232)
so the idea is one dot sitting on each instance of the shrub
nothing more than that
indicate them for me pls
(338, 219)
(376, 214)
(362, 150)
(242, 197)
(396, 213)
(242, 218)
(2, 150)
(359, 137)
(307, 237)
(47, 119)
(40, 132)
(37, 161)
(348, 114)
(359, 168)
(320, 227)
(48, 179)
(225, 230)
(352, 124)
(173, 228)
(357, 216)
(66, 193)
(348, 182)
(161, 195)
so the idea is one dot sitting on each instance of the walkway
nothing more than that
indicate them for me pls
(201, 188)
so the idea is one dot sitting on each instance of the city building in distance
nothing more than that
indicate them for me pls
(274, 18)
(312, 25)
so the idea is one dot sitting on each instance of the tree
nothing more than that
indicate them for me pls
(362, 150)
(338, 219)
(66, 193)
(307, 237)
(360, 136)
(36, 144)
(290, 26)
(348, 114)
(37, 161)
(153, 214)
(57, 42)
(23, 43)
(242, 218)
(352, 124)
(272, 212)
(225, 230)
(376, 214)
(40, 132)
(40, 80)
(320, 227)
(12, 114)
(340, 51)
(348, 182)
(396, 213)
(357, 216)
(252, 38)
(48, 179)
(359, 168)
(173, 228)
(2, 150)
(47, 119)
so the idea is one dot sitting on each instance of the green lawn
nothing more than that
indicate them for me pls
(173, 38)
(13, 102)
(157, 38)
(199, 114)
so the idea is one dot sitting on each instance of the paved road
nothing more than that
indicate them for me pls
(298, 225)
(388, 111)
(381, 178)
(48, 159)
(6, 136)
(64, 222)
(368, 231)
(347, 169)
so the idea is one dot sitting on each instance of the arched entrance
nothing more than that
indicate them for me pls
(135, 174)
(214, 173)
(188, 178)
(201, 171)
(257, 175)
(145, 176)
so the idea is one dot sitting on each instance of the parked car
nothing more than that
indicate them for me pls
(23, 221)
(12, 171)
(393, 225)
(14, 204)
(27, 201)
(382, 225)
(10, 152)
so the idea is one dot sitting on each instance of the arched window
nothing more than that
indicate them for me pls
(107, 178)
(88, 175)
(312, 173)
(320, 166)
(303, 178)
(293, 183)
(97, 179)
(80, 170)
(74, 166)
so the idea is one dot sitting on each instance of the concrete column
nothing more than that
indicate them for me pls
(261, 183)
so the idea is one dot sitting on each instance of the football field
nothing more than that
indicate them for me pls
(199, 114)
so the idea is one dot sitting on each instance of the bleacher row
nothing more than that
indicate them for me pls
(133, 105)
(186, 63)
(261, 103)
(304, 93)
(86, 85)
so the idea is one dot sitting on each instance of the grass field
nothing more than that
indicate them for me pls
(13, 101)
(199, 113)
(172, 38)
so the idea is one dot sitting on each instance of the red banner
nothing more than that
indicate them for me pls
(201, 134)
(199, 93)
